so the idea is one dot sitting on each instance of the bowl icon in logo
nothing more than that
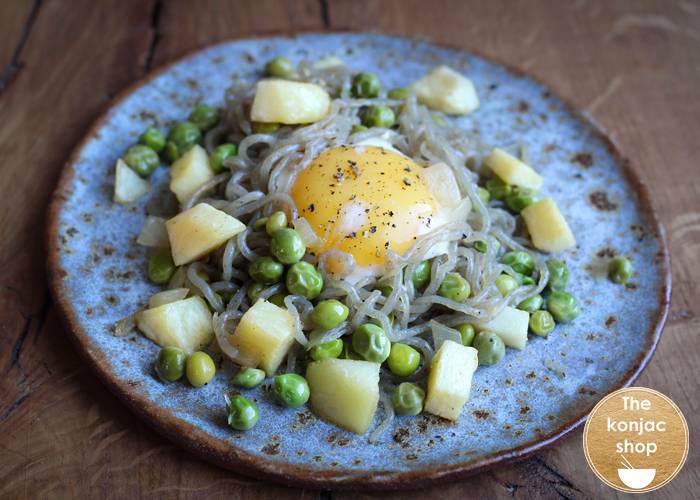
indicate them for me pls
(636, 478)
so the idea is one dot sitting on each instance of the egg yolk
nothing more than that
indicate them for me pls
(364, 200)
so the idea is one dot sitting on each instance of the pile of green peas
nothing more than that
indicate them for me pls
(515, 198)
(173, 363)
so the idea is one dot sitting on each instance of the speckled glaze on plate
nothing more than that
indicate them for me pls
(98, 275)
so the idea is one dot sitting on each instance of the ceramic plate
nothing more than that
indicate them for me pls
(98, 276)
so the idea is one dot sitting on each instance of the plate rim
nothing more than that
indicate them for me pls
(230, 457)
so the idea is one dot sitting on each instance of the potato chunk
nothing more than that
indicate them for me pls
(263, 336)
(440, 180)
(446, 90)
(450, 379)
(513, 171)
(548, 227)
(128, 186)
(510, 324)
(284, 101)
(199, 230)
(184, 323)
(345, 392)
(189, 172)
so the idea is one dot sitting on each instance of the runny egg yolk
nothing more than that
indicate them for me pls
(364, 200)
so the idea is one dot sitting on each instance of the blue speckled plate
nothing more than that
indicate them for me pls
(98, 276)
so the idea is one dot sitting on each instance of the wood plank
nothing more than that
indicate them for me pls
(14, 22)
(635, 67)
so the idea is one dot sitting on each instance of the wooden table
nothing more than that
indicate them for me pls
(634, 66)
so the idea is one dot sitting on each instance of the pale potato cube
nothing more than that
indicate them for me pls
(167, 296)
(446, 90)
(548, 227)
(153, 233)
(441, 181)
(344, 392)
(199, 230)
(128, 186)
(450, 379)
(510, 324)
(184, 323)
(291, 103)
(513, 171)
(264, 336)
(189, 172)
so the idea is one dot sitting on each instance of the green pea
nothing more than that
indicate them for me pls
(378, 116)
(358, 128)
(385, 290)
(142, 159)
(287, 246)
(281, 67)
(171, 364)
(278, 300)
(398, 93)
(506, 284)
(520, 198)
(421, 275)
(275, 222)
(365, 85)
(467, 332)
(242, 413)
(265, 127)
(327, 350)
(520, 262)
(408, 399)
(200, 368)
(260, 224)
(403, 360)
(305, 280)
(620, 270)
(541, 323)
(184, 135)
(171, 151)
(161, 266)
(524, 280)
(349, 352)
(254, 291)
(154, 139)
(498, 190)
(532, 304)
(455, 287)
(291, 390)
(558, 275)
(204, 117)
(248, 377)
(563, 306)
(370, 342)
(490, 348)
(329, 313)
(480, 246)
(219, 155)
(266, 270)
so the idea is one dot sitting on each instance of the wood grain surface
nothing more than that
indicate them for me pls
(633, 65)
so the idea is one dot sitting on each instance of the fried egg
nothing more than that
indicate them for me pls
(367, 199)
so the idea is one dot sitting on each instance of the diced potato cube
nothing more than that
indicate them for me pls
(284, 101)
(189, 172)
(264, 336)
(167, 296)
(548, 227)
(153, 233)
(345, 392)
(440, 180)
(450, 379)
(184, 323)
(510, 324)
(128, 186)
(446, 90)
(199, 230)
(513, 171)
